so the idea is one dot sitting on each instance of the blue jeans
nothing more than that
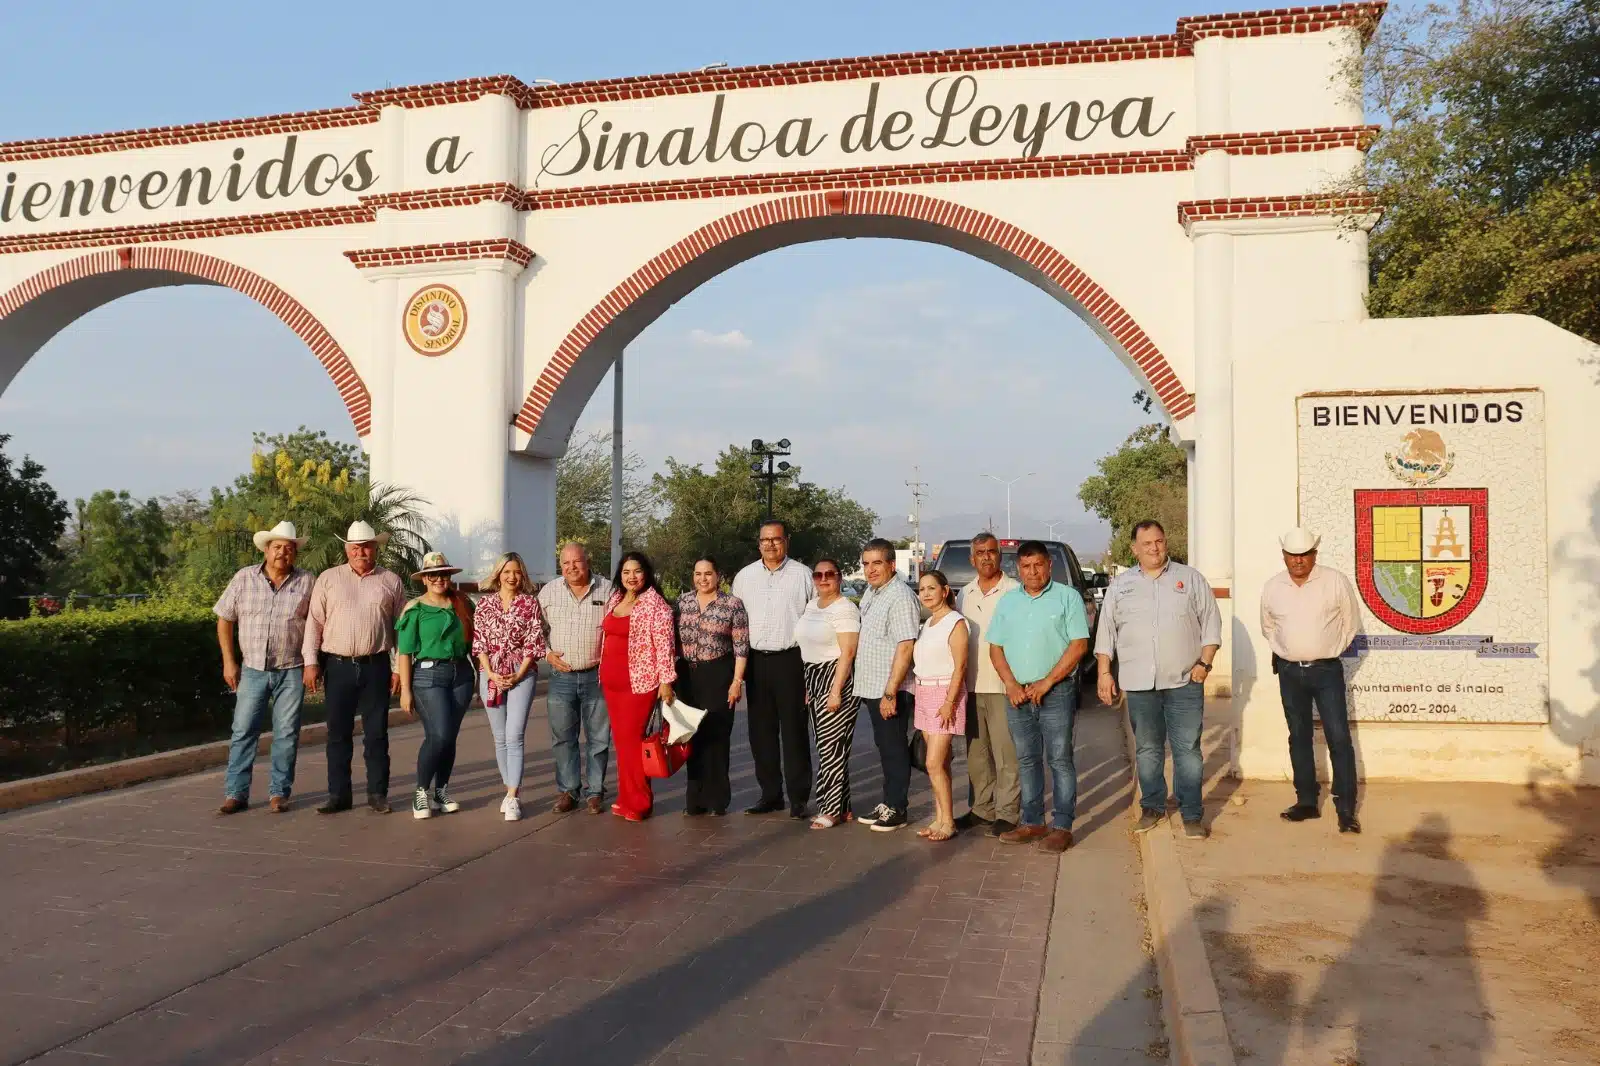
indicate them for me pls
(508, 721)
(574, 699)
(1042, 733)
(1160, 715)
(1321, 683)
(284, 692)
(440, 695)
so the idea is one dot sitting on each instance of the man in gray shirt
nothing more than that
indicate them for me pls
(1160, 620)
(889, 629)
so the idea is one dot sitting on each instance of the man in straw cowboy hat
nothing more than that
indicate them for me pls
(1309, 615)
(265, 607)
(349, 634)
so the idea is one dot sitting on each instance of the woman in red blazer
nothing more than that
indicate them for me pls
(637, 668)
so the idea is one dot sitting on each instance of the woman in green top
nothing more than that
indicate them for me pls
(433, 637)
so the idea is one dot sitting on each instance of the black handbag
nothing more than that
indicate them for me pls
(919, 751)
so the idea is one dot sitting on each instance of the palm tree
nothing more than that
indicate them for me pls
(390, 509)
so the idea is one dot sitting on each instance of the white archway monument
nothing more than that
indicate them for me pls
(468, 259)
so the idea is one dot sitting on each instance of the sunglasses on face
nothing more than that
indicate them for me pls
(824, 575)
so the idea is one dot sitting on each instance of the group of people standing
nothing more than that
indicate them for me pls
(995, 662)
(818, 662)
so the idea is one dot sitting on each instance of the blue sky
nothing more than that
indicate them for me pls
(160, 391)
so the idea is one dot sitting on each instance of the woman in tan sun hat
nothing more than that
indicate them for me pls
(433, 639)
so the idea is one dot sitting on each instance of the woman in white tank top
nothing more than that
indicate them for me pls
(939, 659)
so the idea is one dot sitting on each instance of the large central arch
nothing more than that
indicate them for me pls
(46, 303)
(561, 391)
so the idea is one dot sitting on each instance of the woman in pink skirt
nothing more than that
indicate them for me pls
(939, 659)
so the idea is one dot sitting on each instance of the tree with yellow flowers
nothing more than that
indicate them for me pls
(319, 484)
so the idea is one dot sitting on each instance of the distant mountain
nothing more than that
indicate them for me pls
(1088, 537)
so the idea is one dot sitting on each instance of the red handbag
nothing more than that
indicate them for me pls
(662, 759)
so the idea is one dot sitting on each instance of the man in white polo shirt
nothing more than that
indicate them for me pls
(991, 755)
(775, 590)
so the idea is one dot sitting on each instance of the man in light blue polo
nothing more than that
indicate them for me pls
(1160, 621)
(1037, 637)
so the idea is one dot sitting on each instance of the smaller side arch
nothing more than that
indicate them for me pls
(165, 266)
(1040, 259)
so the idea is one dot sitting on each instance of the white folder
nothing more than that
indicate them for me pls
(682, 720)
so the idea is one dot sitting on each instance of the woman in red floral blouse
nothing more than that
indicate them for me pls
(637, 668)
(714, 635)
(508, 642)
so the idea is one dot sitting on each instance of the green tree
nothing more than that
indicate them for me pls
(33, 518)
(321, 485)
(120, 544)
(1145, 478)
(717, 512)
(583, 498)
(1487, 172)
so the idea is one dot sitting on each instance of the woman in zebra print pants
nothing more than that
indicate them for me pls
(827, 633)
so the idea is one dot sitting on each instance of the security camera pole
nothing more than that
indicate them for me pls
(764, 469)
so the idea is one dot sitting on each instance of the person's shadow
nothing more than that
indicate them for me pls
(1407, 988)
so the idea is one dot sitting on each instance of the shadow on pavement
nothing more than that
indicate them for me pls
(1441, 1016)
(637, 1021)
(1405, 989)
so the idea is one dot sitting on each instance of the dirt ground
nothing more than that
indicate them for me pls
(1462, 927)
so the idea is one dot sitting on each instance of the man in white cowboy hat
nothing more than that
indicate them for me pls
(1309, 615)
(349, 633)
(265, 607)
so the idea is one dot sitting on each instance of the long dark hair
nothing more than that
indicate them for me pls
(644, 564)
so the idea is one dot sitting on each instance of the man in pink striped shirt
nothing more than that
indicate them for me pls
(349, 632)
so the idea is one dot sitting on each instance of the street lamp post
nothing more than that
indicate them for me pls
(765, 469)
(1008, 485)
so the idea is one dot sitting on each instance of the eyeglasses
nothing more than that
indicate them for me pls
(824, 575)
(772, 540)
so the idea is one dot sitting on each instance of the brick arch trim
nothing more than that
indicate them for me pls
(1169, 390)
(357, 401)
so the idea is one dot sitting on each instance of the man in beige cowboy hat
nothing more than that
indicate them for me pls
(265, 607)
(1309, 615)
(349, 632)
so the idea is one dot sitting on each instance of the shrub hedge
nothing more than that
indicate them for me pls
(152, 666)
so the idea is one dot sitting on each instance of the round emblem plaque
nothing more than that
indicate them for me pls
(435, 319)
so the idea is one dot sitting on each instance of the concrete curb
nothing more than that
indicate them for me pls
(1189, 1001)
(15, 795)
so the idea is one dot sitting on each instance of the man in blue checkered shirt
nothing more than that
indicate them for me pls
(889, 625)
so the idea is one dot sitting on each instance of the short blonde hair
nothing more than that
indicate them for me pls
(492, 582)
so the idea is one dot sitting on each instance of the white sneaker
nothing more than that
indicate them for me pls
(505, 801)
(880, 812)
(441, 799)
(512, 809)
(420, 807)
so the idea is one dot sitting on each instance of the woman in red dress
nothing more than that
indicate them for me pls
(637, 668)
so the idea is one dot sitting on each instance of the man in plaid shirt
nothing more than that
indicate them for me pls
(265, 607)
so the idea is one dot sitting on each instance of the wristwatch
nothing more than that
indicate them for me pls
(1202, 664)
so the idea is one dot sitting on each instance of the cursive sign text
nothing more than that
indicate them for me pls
(952, 116)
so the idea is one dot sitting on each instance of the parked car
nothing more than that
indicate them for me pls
(954, 558)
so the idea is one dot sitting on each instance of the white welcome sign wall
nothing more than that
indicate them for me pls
(467, 259)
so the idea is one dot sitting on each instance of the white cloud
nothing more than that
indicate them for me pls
(733, 338)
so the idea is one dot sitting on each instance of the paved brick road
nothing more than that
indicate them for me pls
(137, 927)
